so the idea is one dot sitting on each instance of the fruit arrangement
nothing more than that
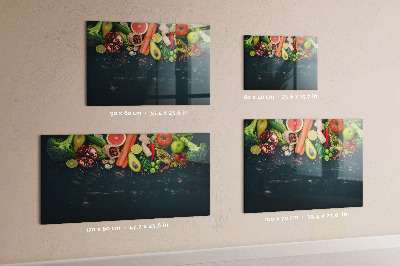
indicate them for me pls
(149, 153)
(162, 41)
(320, 139)
(292, 48)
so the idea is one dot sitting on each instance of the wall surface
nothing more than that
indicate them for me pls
(43, 91)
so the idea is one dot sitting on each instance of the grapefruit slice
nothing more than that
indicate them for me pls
(139, 28)
(116, 139)
(294, 124)
(274, 39)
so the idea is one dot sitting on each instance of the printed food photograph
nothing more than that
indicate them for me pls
(280, 63)
(108, 177)
(302, 164)
(131, 63)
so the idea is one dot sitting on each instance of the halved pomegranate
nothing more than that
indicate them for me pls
(269, 140)
(114, 42)
(86, 155)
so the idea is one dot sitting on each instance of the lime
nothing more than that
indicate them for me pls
(285, 45)
(307, 45)
(71, 163)
(157, 37)
(252, 53)
(255, 149)
(100, 48)
(136, 149)
(312, 135)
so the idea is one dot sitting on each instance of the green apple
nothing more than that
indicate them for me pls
(348, 133)
(193, 37)
(307, 45)
(177, 146)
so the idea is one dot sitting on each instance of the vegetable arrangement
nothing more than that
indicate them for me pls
(320, 139)
(162, 41)
(139, 152)
(292, 48)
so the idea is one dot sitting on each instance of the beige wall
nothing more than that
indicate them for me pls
(43, 89)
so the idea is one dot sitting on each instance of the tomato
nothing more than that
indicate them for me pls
(176, 157)
(337, 125)
(300, 40)
(181, 29)
(183, 155)
(182, 161)
(164, 139)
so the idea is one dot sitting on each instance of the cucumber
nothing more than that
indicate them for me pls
(99, 142)
(121, 28)
(277, 126)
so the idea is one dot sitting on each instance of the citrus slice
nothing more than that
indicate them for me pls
(285, 45)
(71, 163)
(294, 124)
(136, 149)
(312, 135)
(100, 48)
(157, 37)
(274, 39)
(116, 139)
(139, 28)
(255, 149)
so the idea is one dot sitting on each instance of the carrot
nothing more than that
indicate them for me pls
(125, 150)
(125, 164)
(303, 149)
(147, 38)
(281, 42)
(302, 136)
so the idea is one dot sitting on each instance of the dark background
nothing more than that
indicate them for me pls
(265, 73)
(97, 194)
(275, 182)
(120, 79)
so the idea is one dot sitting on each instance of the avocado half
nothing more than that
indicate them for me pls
(134, 163)
(261, 126)
(310, 150)
(155, 51)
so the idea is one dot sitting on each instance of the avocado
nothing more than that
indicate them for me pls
(155, 51)
(310, 150)
(261, 126)
(134, 163)
(78, 141)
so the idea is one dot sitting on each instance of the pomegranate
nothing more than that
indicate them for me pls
(269, 140)
(86, 155)
(114, 42)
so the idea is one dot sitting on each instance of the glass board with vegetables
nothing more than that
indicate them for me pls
(280, 63)
(131, 63)
(302, 164)
(105, 177)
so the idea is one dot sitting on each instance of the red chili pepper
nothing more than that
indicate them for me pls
(171, 38)
(326, 133)
(294, 47)
(153, 150)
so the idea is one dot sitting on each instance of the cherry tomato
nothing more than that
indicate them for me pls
(164, 139)
(197, 51)
(176, 157)
(181, 29)
(182, 161)
(183, 155)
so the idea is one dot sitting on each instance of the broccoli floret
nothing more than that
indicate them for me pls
(60, 150)
(94, 36)
(196, 153)
(250, 136)
(248, 44)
